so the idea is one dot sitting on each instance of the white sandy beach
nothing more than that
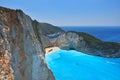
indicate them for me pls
(51, 49)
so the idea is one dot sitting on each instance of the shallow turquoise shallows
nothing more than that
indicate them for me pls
(73, 65)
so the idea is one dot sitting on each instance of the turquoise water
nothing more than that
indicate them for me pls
(73, 65)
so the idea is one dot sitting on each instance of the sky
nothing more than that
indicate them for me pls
(70, 12)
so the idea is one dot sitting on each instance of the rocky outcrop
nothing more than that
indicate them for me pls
(48, 29)
(21, 50)
(82, 42)
(47, 42)
(88, 44)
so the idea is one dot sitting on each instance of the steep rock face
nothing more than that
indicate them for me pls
(88, 44)
(21, 49)
(71, 41)
(48, 29)
(46, 41)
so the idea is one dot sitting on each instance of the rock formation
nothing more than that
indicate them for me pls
(48, 29)
(88, 44)
(81, 42)
(21, 49)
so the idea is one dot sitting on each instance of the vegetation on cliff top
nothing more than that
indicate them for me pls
(87, 37)
(94, 43)
(49, 29)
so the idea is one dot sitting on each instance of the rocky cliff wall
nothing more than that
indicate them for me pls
(21, 50)
(48, 29)
(86, 43)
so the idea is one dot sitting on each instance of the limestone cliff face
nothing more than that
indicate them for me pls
(88, 44)
(48, 32)
(21, 50)
(70, 41)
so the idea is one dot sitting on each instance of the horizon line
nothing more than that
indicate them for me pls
(88, 25)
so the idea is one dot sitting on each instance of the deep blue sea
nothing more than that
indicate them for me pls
(74, 65)
(105, 33)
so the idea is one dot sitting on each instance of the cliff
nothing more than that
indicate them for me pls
(87, 43)
(48, 29)
(48, 32)
(78, 41)
(21, 49)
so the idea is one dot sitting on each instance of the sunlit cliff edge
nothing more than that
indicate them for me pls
(21, 50)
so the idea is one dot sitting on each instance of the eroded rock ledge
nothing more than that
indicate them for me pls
(21, 50)
(88, 44)
(85, 43)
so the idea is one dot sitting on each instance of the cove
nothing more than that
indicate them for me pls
(74, 65)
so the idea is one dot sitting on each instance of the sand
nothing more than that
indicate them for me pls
(51, 49)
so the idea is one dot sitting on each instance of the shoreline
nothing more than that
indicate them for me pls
(51, 49)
